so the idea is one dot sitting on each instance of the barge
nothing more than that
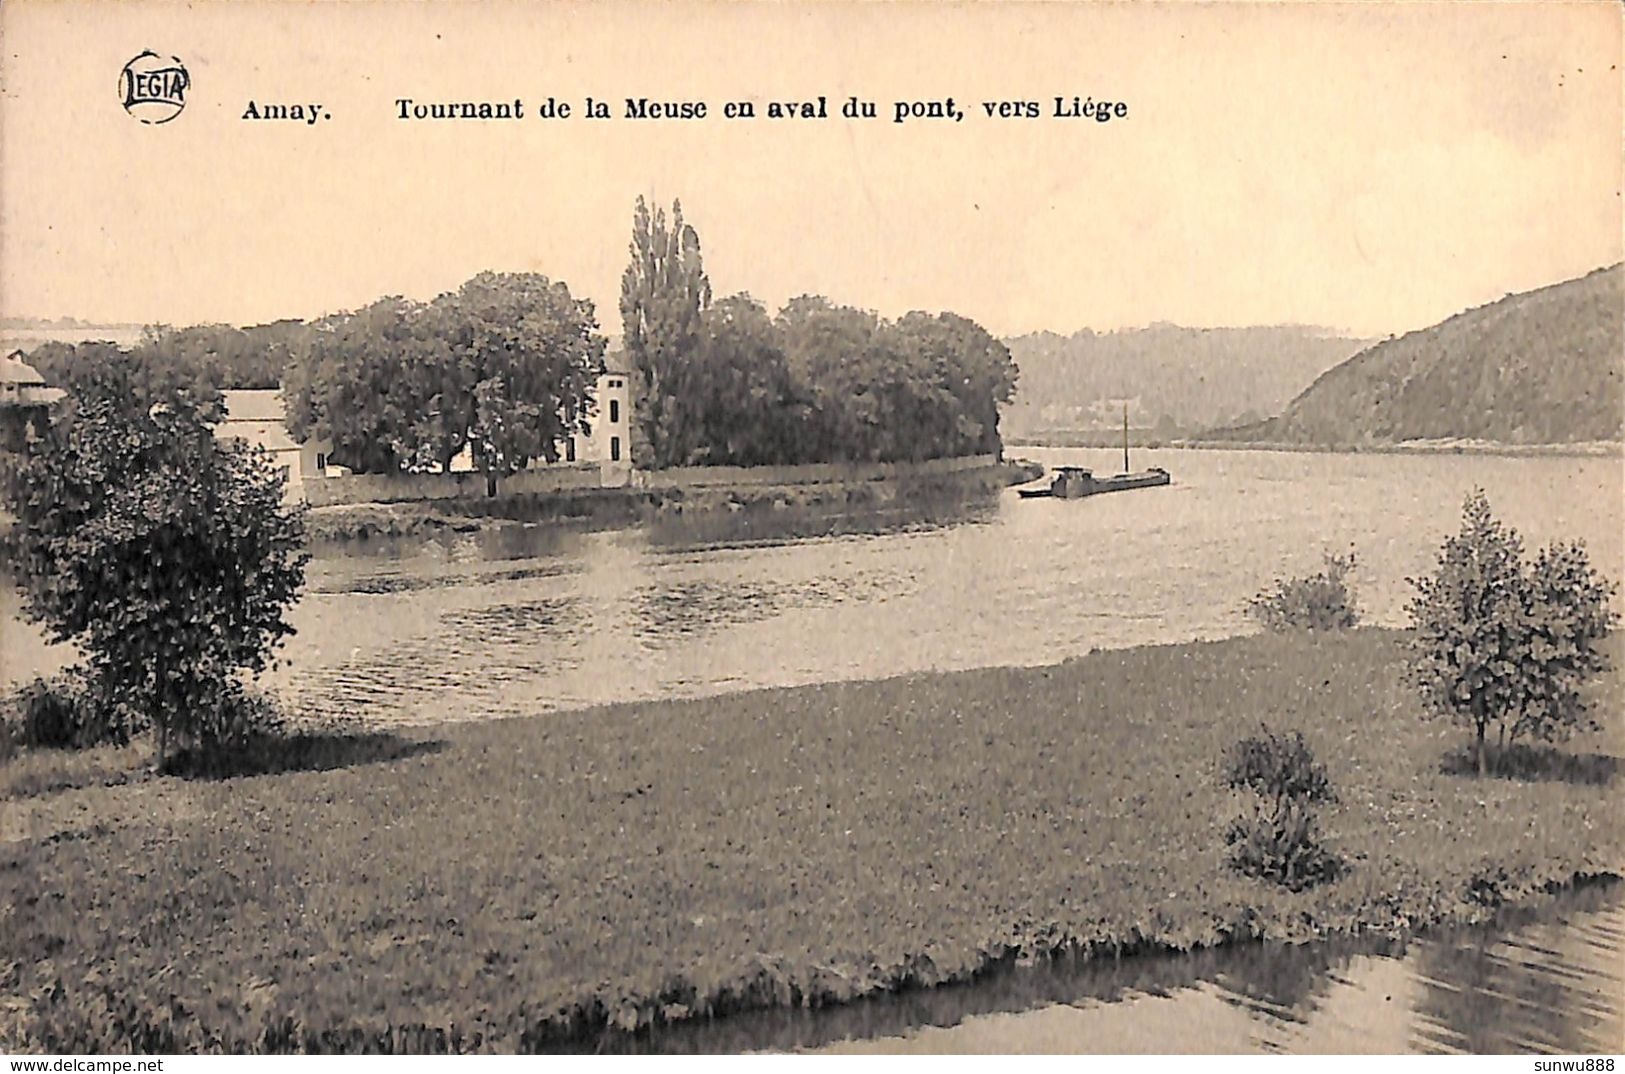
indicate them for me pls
(1076, 482)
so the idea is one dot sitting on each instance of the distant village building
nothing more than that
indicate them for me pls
(257, 418)
(25, 402)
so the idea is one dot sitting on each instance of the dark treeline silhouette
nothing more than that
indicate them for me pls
(722, 383)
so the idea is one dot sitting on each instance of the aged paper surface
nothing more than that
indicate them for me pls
(1300, 277)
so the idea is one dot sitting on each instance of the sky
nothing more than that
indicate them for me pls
(1372, 168)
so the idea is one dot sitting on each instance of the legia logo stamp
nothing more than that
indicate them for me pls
(153, 88)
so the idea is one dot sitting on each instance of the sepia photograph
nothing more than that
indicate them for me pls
(819, 527)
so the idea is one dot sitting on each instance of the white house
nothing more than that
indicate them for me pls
(610, 418)
(609, 444)
(256, 417)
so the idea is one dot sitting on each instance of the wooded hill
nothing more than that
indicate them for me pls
(1181, 379)
(1542, 367)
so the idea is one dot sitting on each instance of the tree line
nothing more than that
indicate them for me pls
(723, 383)
(505, 366)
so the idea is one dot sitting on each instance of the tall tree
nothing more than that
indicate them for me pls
(664, 291)
(829, 351)
(747, 406)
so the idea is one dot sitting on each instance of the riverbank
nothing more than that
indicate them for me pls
(613, 507)
(532, 882)
(1447, 446)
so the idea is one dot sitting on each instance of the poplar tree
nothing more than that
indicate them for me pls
(664, 291)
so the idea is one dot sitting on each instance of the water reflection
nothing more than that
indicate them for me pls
(765, 525)
(702, 606)
(412, 675)
(1545, 982)
(698, 603)
(1553, 985)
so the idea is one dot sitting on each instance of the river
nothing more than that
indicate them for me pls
(526, 619)
(521, 620)
(1547, 981)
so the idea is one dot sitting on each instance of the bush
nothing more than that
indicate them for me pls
(1276, 840)
(1321, 601)
(1504, 642)
(67, 711)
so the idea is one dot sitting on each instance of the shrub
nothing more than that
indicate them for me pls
(67, 711)
(1320, 601)
(166, 553)
(1277, 840)
(1504, 642)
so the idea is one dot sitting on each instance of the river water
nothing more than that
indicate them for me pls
(527, 619)
(522, 620)
(1542, 982)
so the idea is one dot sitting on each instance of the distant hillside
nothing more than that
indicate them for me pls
(1174, 378)
(1544, 367)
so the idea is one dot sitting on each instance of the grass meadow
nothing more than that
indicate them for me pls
(521, 884)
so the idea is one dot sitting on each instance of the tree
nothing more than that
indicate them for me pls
(664, 290)
(133, 380)
(530, 353)
(831, 353)
(926, 386)
(745, 405)
(970, 374)
(398, 385)
(1505, 643)
(165, 553)
(365, 384)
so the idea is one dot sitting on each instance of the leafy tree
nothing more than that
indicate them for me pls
(664, 291)
(165, 553)
(1507, 643)
(830, 352)
(166, 362)
(927, 386)
(399, 384)
(134, 380)
(747, 409)
(969, 374)
(531, 353)
(361, 384)
(221, 355)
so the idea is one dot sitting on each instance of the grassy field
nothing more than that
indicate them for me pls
(509, 885)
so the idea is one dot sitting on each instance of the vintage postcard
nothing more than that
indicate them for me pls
(820, 527)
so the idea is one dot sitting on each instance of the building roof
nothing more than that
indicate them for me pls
(13, 370)
(255, 416)
(269, 435)
(254, 404)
